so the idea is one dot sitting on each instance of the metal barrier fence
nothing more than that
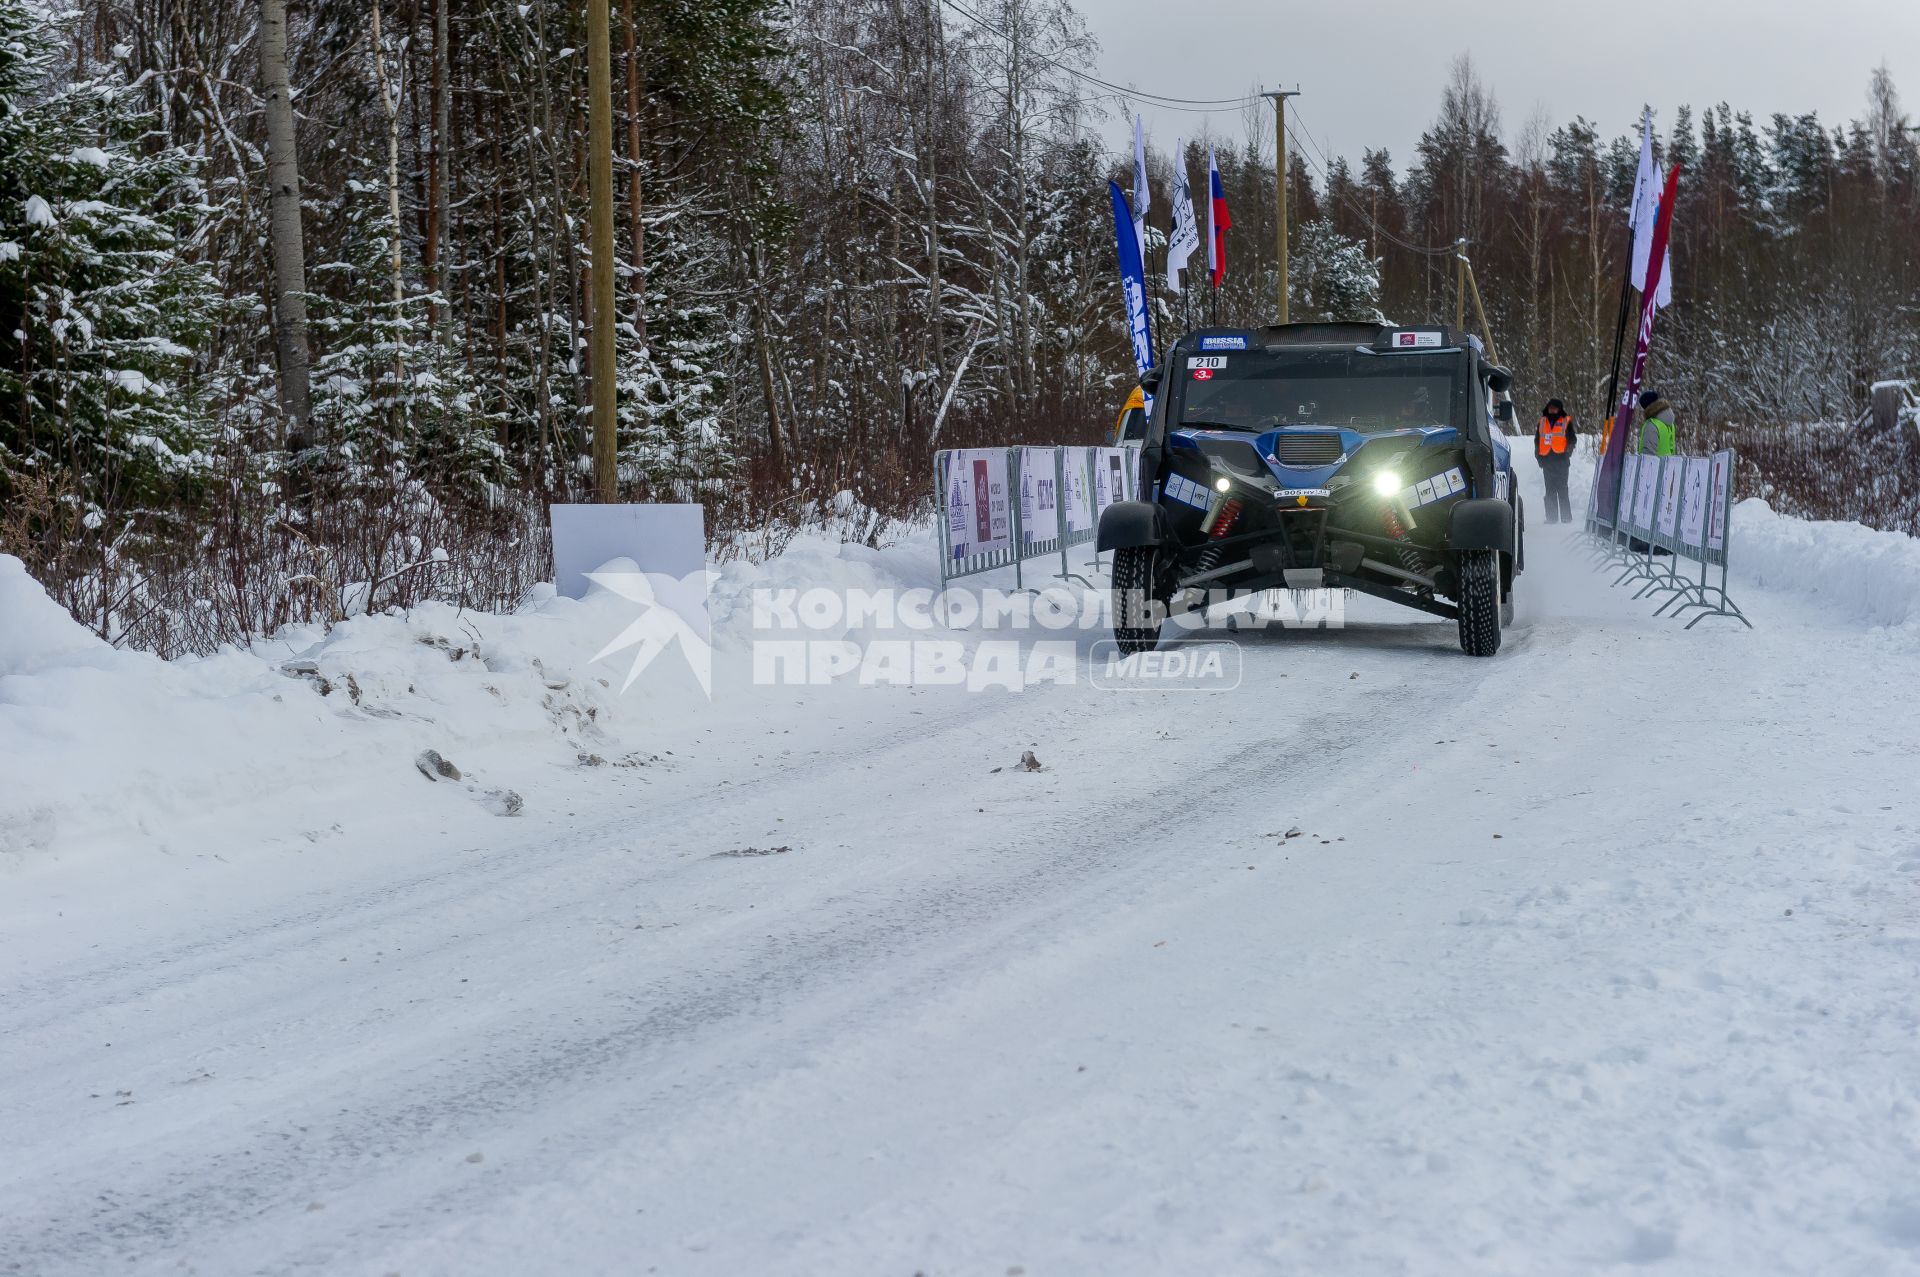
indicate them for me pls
(1670, 512)
(1000, 507)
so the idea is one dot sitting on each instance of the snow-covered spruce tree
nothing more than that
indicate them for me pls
(101, 307)
(674, 441)
(1331, 276)
(391, 399)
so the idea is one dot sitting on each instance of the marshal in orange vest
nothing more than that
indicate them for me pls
(1552, 438)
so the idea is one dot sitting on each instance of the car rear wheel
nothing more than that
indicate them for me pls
(1481, 608)
(1141, 592)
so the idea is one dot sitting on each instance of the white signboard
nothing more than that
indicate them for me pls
(1717, 491)
(979, 520)
(1110, 479)
(1076, 496)
(1669, 522)
(1693, 502)
(662, 540)
(1646, 492)
(1629, 471)
(1039, 495)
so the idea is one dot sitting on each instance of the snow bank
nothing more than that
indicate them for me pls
(102, 749)
(106, 748)
(1857, 573)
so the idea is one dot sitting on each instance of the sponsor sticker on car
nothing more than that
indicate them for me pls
(1223, 343)
(1186, 492)
(1416, 339)
(1435, 488)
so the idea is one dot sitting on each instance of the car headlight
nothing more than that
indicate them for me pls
(1222, 484)
(1386, 483)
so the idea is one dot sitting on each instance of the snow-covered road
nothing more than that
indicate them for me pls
(1602, 954)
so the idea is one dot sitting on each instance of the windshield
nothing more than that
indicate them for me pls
(1258, 390)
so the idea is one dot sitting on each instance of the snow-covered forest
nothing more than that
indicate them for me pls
(217, 417)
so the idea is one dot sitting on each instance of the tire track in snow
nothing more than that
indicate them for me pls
(822, 975)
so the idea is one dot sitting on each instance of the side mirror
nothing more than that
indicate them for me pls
(1503, 412)
(1499, 380)
(1150, 380)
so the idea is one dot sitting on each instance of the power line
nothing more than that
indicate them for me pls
(1363, 214)
(1204, 105)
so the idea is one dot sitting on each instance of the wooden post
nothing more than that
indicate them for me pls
(600, 197)
(1460, 283)
(1280, 189)
(1486, 329)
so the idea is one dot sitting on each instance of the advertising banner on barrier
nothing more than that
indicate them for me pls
(1077, 498)
(1646, 493)
(1629, 476)
(1039, 496)
(979, 520)
(1668, 523)
(1693, 503)
(1717, 500)
(1109, 478)
(1679, 505)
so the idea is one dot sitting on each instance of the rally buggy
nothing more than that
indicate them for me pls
(1322, 456)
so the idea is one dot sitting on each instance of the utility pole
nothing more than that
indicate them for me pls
(1280, 97)
(600, 196)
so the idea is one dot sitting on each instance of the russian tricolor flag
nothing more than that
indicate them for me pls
(1217, 219)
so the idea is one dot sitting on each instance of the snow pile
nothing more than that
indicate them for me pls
(103, 748)
(114, 748)
(1858, 573)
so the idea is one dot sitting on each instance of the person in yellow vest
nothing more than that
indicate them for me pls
(1553, 448)
(1655, 437)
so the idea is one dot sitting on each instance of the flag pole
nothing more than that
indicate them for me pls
(1619, 333)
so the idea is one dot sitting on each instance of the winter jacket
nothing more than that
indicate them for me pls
(1655, 436)
(1550, 458)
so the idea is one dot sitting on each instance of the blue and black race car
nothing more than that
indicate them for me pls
(1315, 456)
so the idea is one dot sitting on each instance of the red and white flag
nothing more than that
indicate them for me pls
(1217, 221)
(1649, 185)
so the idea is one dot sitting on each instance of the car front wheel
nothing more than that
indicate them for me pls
(1140, 596)
(1481, 607)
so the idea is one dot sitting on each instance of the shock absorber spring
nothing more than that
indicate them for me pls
(1410, 559)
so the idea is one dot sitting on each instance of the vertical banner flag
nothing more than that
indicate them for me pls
(1142, 196)
(1186, 229)
(1650, 304)
(1645, 206)
(1133, 280)
(1217, 221)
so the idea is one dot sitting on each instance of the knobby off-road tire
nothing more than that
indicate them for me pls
(1481, 606)
(1140, 598)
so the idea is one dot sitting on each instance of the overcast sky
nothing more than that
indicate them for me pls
(1371, 73)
